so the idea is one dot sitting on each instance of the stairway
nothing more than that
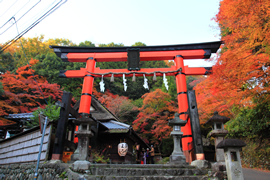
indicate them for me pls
(144, 172)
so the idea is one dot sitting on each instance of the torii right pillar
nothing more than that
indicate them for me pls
(183, 107)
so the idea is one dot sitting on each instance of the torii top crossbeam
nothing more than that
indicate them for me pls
(147, 53)
(133, 55)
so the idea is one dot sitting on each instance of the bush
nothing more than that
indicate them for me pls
(252, 125)
(164, 160)
(98, 157)
(51, 111)
(167, 146)
(256, 155)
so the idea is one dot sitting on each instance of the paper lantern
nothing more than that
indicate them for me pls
(122, 149)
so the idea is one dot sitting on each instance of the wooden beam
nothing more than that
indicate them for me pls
(144, 56)
(62, 127)
(147, 71)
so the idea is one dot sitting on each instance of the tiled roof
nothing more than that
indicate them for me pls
(20, 116)
(115, 125)
(112, 125)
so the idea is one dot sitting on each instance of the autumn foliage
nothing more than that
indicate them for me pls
(120, 106)
(33, 47)
(152, 121)
(22, 91)
(241, 72)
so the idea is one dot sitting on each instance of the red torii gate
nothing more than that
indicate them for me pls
(133, 55)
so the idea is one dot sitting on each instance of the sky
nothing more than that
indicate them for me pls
(153, 22)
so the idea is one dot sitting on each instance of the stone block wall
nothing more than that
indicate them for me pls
(49, 171)
(63, 171)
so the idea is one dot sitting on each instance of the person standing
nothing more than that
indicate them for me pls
(144, 156)
(147, 156)
(152, 154)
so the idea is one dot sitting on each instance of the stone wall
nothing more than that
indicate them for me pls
(48, 171)
(59, 171)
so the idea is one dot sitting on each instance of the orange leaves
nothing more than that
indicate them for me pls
(120, 106)
(156, 101)
(152, 121)
(22, 93)
(5, 122)
(33, 61)
(6, 109)
(242, 69)
(96, 93)
(247, 21)
(161, 129)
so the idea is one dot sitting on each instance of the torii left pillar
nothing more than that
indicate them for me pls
(84, 132)
(87, 89)
(181, 85)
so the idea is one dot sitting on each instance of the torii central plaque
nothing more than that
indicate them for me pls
(178, 53)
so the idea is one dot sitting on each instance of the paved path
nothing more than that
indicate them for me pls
(251, 174)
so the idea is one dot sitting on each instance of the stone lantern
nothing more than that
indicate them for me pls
(232, 157)
(218, 133)
(84, 134)
(177, 156)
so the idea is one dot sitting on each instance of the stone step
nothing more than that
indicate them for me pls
(145, 177)
(142, 166)
(146, 171)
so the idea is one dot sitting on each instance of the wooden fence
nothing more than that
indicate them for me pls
(24, 147)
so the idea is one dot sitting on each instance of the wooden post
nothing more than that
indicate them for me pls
(195, 126)
(60, 134)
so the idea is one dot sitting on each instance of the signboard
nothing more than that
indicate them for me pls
(122, 149)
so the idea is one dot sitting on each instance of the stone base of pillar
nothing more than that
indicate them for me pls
(187, 156)
(57, 156)
(219, 166)
(200, 156)
(201, 164)
(75, 156)
(81, 165)
(178, 159)
(55, 161)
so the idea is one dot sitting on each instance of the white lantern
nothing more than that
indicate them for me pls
(122, 149)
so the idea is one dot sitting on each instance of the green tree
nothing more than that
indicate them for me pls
(33, 47)
(1, 89)
(59, 42)
(166, 146)
(190, 79)
(51, 111)
(251, 122)
(49, 66)
(6, 62)
(86, 44)
(138, 44)
(138, 102)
